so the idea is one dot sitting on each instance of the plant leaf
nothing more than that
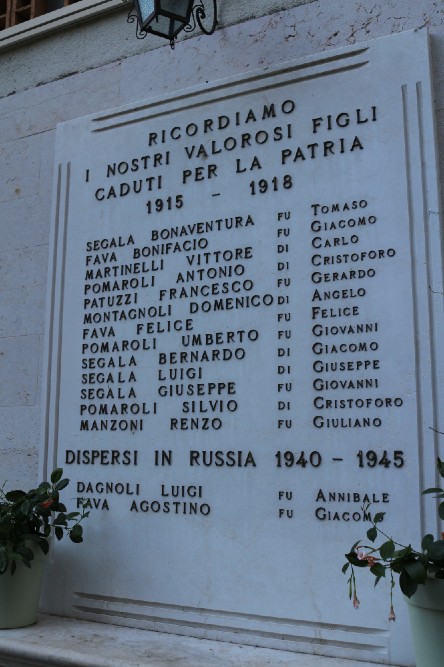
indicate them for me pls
(402, 553)
(372, 533)
(25, 507)
(44, 546)
(15, 496)
(56, 475)
(378, 570)
(408, 587)
(76, 534)
(427, 540)
(63, 484)
(60, 520)
(416, 571)
(387, 550)
(354, 560)
(44, 486)
(436, 550)
(3, 561)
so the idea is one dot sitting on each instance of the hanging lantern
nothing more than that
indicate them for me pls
(167, 18)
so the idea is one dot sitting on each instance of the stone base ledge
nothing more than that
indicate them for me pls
(66, 642)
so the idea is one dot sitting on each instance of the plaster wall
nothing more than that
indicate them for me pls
(98, 65)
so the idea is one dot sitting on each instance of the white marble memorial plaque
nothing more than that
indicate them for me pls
(244, 306)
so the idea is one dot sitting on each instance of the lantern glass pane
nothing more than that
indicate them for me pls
(165, 27)
(146, 9)
(177, 9)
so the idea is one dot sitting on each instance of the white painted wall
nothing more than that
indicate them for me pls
(100, 64)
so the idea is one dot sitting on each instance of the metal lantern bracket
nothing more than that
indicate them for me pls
(197, 18)
(198, 13)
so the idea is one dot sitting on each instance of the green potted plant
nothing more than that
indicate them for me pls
(27, 522)
(421, 579)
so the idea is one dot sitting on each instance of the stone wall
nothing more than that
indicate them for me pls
(100, 64)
